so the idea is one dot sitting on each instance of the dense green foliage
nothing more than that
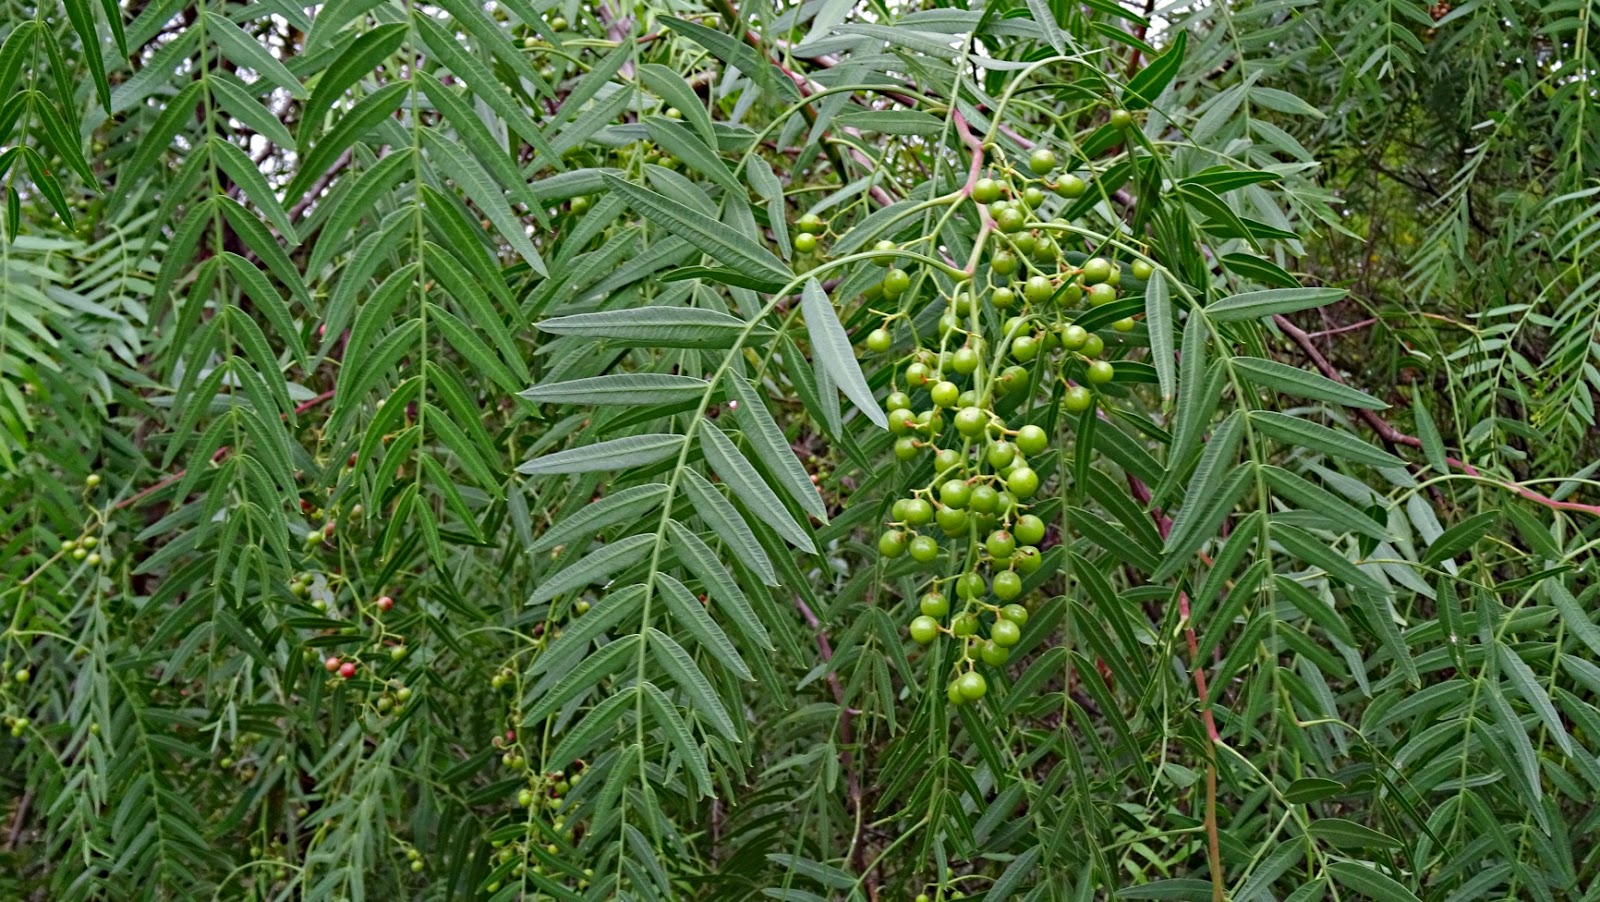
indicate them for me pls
(830, 450)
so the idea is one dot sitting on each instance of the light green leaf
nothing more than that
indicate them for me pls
(831, 347)
(691, 614)
(740, 476)
(653, 327)
(677, 663)
(1257, 304)
(1313, 551)
(1523, 680)
(625, 389)
(597, 567)
(764, 436)
(698, 560)
(725, 520)
(584, 677)
(1303, 383)
(248, 52)
(1158, 319)
(616, 454)
(1306, 434)
(710, 236)
(677, 732)
(1314, 498)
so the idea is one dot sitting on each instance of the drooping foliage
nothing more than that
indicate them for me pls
(802, 451)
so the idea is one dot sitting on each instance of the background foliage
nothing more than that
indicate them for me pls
(1315, 617)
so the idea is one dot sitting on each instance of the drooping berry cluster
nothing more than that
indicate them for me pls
(1007, 340)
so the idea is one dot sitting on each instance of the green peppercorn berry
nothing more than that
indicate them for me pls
(901, 421)
(1004, 262)
(1070, 187)
(1126, 324)
(1073, 337)
(1041, 161)
(1025, 348)
(1100, 372)
(964, 625)
(1100, 294)
(1004, 633)
(1000, 545)
(918, 512)
(1094, 346)
(1023, 482)
(986, 191)
(1007, 585)
(933, 604)
(953, 693)
(1010, 221)
(1003, 298)
(945, 393)
(1029, 529)
(892, 544)
(805, 243)
(1077, 399)
(924, 630)
(946, 459)
(1027, 560)
(1044, 250)
(811, 224)
(924, 549)
(955, 493)
(993, 655)
(970, 585)
(970, 421)
(1142, 270)
(953, 520)
(1033, 196)
(1015, 613)
(917, 374)
(985, 500)
(896, 282)
(1031, 439)
(1096, 270)
(878, 340)
(884, 247)
(1038, 289)
(972, 686)
(1121, 118)
(897, 400)
(1026, 243)
(1001, 454)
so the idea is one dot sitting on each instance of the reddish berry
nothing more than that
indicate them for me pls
(331, 664)
(347, 669)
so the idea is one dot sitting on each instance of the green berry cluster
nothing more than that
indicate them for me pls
(972, 395)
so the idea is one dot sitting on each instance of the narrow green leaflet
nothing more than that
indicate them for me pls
(1573, 615)
(720, 242)
(672, 88)
(740, 476)
(698, 559)
(597, 567)
(626, 389)
(1256, 304)
(1318, 500)
(1428, 434)
(1460, 537)
(248, 52)
(766, 439)
(616, 454)
(584, 677)
(1306, 434)
(359, 60)
(1302, 383)
(729, 525)
(1369, 883)
(1149, 82)
(1522, 679)
(611, 609)
(609, 511)
(677, 731)
(1158, 320)
(831, 347)
(891, 122)
(703, 699)
(1314, 551)
(653, 327)
(691, 614)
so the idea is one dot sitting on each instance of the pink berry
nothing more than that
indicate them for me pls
(347, 669)
(331, 664)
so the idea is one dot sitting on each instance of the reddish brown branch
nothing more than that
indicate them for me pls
(1395, 437)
